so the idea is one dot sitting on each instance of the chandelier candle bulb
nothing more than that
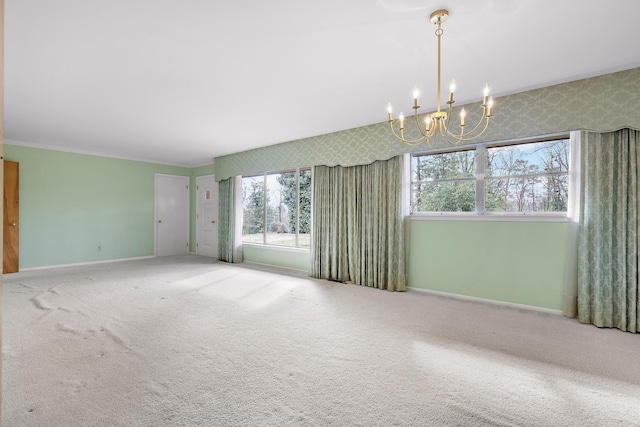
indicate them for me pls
(462, 116)
(489, 106)
(452, 89)
(390, 110)
(416, 93)
(485, 94)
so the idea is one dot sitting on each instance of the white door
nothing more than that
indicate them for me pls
(172, 215)
(207, 216)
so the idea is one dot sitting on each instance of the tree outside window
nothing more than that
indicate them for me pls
(522, 177)
(444, 182)
(277, 208)
(530, 177)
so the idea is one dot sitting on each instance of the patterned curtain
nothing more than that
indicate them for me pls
(608, 237)
(357, 224)
(227, 241)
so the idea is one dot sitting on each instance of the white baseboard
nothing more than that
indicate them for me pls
(49, 267)
(276, 266)
(487, 301)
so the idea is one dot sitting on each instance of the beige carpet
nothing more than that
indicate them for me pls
(182, 341)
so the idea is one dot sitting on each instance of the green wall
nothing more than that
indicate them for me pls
(281, 257)
(72, 203)
(520, 262)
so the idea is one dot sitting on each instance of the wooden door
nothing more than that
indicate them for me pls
(11, 225)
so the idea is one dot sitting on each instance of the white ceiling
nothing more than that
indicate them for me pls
(184, 81)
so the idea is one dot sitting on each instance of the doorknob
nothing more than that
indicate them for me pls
(160, 221)
(213, 222)
(13, 223)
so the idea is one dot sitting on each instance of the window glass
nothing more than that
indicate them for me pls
(281, 229)
(444, 196)
(529, 177)
(253, 209)
(282, 202)
(520, 177)
(304, 232)
(444, 182)
(459, 164)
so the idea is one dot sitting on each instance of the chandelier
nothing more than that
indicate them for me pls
(438, 122)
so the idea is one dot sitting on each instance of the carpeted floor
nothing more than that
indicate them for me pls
(182, 341)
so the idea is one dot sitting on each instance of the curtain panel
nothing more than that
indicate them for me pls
(228, 242)
(357, 224)
(570, 291)
(608, 234)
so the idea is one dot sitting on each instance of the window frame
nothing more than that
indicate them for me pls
(481, 180)
(265, 193)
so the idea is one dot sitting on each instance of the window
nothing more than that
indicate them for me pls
(444, 182)
(531, 177)
(277, 208)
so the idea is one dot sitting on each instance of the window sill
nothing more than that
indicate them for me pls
(472, 216)
(277, 247)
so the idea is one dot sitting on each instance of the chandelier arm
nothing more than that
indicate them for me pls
(434, 128)
(410, 142)
(424, 132)
(444, 122)
(477, 135)
(449, 114)
(470, 136)
(472, 131)
(450, 138)
(484, 116)
(447, 132)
